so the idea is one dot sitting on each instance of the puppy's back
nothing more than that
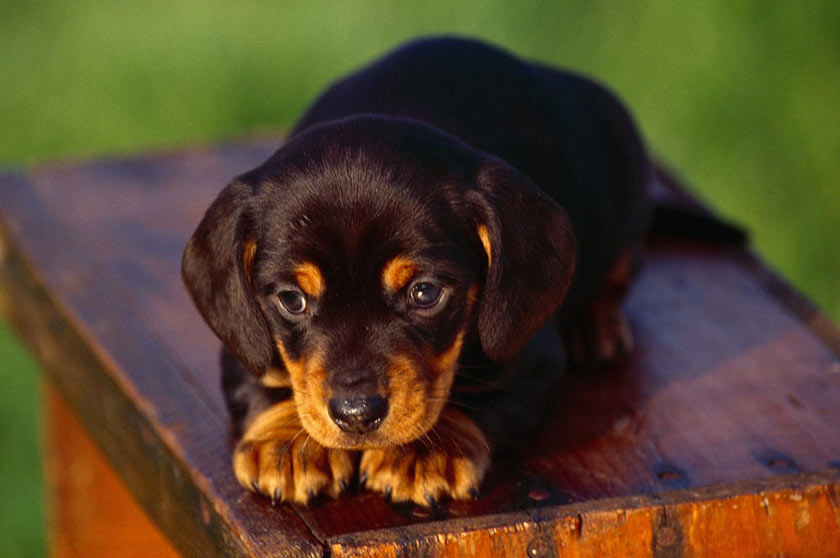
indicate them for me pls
(569, 134)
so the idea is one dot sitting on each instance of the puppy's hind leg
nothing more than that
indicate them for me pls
(601, 335)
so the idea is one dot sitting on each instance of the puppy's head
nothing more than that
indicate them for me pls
(356, 264)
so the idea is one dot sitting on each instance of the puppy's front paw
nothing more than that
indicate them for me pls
(448, 461)
(277, 458)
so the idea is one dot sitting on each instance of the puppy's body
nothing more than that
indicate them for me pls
(568, 134)
(401, 248)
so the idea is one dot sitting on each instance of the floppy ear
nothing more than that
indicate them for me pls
(216, 269)
(530, 250)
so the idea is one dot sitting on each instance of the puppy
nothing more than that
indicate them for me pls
(376, 280)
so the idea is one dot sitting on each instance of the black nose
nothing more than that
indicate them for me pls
(358, 415)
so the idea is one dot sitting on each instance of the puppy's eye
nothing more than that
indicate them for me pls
(425, 295)
(293, 301)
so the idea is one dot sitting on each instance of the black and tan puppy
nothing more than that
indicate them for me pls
(376, 280)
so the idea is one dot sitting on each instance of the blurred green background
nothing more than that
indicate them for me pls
(741, 98)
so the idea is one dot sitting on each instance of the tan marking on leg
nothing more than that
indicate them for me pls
(398, 272)
(277, 458)
(276, 378)
(450, 462)
(277, 419)
(342, 467)
(254, 459)
(310, 279)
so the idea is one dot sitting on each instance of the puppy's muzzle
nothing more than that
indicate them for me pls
(358, 415)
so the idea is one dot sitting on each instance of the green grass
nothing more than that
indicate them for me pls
(743, 98)
(21, 493)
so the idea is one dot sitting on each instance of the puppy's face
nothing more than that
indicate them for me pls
(356, 264)
(368, 291)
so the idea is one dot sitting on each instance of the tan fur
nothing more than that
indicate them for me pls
(249, 251)
(310, 279)
(422, 450)
(276, 378)
(398, 272)
(308, 377)
(415, 401)
(280, 419)
(447, 455)
(276, 457)
(472, 298)
(484, 236)
(450, 461)
(408, 400)
(445, 362)
(416, 394)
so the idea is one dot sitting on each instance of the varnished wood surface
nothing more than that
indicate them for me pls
(735, 384)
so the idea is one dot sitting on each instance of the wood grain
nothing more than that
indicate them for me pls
(785, 516)
(735, 384)
(163, 434)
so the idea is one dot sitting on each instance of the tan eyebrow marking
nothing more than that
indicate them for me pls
(484, 236)
(398, 272)
(310, 279)
(249, 250)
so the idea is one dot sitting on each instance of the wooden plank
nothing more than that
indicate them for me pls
(155, 426)
(91, 513)
(727, 385)
(783, 516)
(733, 380)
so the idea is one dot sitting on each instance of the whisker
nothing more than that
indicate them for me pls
(460, 427)
(437, 433)
(295, 437)
(429, 442)
(430, 428)
(448, 401)
(454, 441)
(302, 451)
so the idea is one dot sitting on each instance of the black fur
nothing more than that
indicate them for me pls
(410, 156)
(568, 134)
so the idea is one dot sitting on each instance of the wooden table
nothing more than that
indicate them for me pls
(720, 438)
